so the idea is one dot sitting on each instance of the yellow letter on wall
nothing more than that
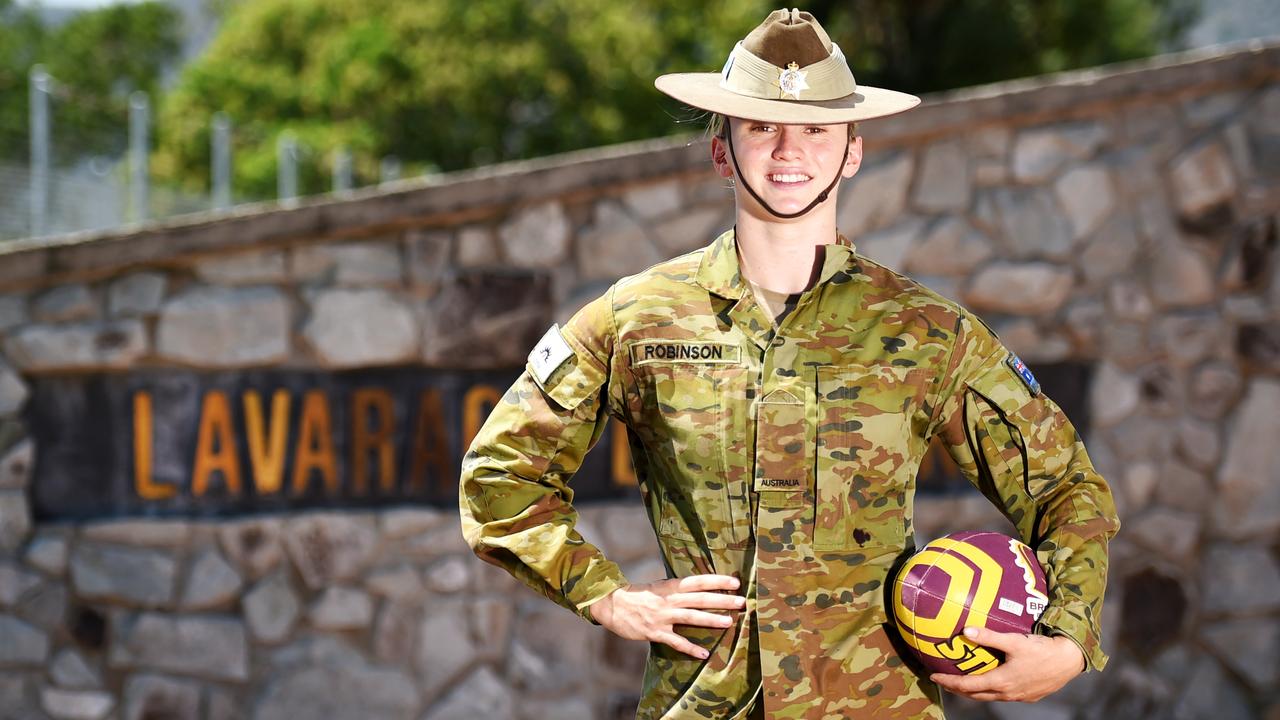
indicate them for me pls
(430, 450)
(215, 446)
(479, 401)
(315, 445)
(623, 472)
(266, 455)
(146, 488)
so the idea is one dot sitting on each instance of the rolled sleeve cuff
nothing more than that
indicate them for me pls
(594, 587)
(1059, 620)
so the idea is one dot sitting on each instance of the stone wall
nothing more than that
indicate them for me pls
(1126, 218)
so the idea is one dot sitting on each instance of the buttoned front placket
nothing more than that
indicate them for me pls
(786, 479)
(783, 417)
(751, 321)
(781, 413)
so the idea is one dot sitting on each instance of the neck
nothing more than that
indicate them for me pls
(784, 256)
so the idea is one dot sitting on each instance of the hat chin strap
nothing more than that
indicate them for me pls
(822, 196)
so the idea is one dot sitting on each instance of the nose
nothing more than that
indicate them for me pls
(786, 143)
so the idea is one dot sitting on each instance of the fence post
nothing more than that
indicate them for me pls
(389, 169)
(220, 153)
(286, 167)
(39, 89)
(342, 171)
(139, 127)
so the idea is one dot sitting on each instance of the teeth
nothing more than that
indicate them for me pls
(789, 178)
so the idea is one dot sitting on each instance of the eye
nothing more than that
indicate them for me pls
(815, 129)
(761, 127)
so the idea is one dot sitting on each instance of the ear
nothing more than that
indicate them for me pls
(720, 157)
(853, 160)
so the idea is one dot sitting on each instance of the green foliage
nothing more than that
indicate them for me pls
(97, 58)
(21, 36)
(444, 84)
(447, 84)
(928, 45)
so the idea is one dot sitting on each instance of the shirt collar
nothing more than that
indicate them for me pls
(719, 272)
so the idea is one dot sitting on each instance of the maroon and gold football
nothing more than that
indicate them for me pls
(966, 579)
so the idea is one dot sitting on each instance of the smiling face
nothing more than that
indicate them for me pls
(787, 165)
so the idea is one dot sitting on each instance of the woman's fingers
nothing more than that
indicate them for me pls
(681, 644)
(702, 583)
(707, 600)
(650, 611)
(699, 618)
(700, 591)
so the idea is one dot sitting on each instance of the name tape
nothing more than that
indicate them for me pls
(703, 353)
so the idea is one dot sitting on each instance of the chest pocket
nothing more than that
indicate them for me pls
(693, 431)
(865, 456)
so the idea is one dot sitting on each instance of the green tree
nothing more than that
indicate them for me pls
(447, 84)
(444, 84)
(97, 58)
(928, 45)
(21, 36)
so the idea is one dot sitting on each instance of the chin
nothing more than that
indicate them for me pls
(793, 203)
(786, 209)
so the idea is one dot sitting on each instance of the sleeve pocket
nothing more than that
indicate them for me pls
(992, 405)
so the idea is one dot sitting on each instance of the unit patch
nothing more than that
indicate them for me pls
(549, 354)
(704, 353)
(1023, 372)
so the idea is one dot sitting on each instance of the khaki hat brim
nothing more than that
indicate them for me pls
(703, 91)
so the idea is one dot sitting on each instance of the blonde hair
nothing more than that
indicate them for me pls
(718, 126)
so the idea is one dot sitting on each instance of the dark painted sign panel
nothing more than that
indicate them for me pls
(189, 444)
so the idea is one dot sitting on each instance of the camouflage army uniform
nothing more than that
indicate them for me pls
(789, 459)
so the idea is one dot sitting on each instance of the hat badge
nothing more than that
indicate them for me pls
(791, 81)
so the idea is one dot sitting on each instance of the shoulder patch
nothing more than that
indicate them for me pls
(1023, 372)
(549, 354)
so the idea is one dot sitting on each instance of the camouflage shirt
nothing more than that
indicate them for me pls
(786, 457)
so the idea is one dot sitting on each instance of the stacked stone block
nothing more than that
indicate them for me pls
(371, 615)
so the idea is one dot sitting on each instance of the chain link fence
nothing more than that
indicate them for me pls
(88, 165)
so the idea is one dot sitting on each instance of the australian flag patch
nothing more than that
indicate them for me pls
(1023, 372)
